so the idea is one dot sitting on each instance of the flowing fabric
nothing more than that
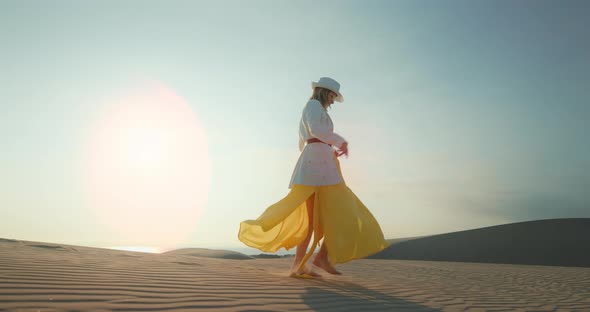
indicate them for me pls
(349, 229)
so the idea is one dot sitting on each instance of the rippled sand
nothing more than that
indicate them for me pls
(50, 277)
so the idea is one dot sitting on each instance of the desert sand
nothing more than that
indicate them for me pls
(556, 242)
(38, 276)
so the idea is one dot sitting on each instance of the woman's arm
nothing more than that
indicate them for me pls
(317, 125)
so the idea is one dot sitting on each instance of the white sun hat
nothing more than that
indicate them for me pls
(330, 84)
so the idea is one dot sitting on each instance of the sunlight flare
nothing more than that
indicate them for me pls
(147, 167)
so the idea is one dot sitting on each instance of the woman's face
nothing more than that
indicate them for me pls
(331, 97)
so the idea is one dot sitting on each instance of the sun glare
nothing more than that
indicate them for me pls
(137, 249)
(147, 167)
(145, 148)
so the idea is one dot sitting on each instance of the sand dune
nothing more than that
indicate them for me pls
(209, 253)
(559, 242)
(222, 254)
(51, 277)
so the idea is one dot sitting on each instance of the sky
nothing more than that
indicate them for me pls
(167, 123)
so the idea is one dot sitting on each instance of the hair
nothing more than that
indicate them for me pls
(320, 94)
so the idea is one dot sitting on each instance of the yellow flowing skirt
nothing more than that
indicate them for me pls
(349, 230)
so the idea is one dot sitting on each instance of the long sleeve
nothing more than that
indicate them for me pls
(319, 125)
(301, 143)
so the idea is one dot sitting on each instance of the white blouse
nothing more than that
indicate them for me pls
(317, 163)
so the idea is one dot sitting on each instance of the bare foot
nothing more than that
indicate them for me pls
(304, 272)
(295, 266)
(326, 266)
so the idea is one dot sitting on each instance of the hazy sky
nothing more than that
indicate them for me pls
(459, 114)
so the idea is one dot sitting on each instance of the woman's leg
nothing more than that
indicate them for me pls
(321, 260)
(302, 247)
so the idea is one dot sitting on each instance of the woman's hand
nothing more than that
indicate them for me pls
(343, 149)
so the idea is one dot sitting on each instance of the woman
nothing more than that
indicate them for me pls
(319, 201)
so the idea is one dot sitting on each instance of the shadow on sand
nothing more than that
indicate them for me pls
(331, 295)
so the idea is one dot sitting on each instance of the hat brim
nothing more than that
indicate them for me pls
(339, 98)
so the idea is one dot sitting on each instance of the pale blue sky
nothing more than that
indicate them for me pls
(459, 114)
